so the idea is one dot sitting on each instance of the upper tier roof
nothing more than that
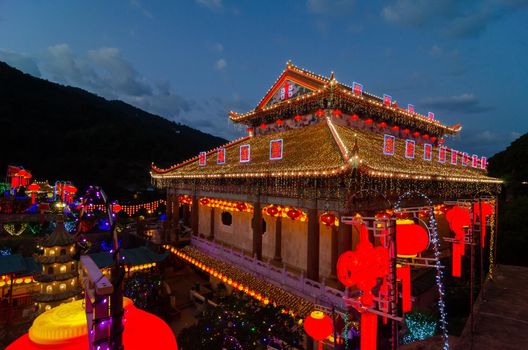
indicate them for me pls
(297, 87)
(324, 149)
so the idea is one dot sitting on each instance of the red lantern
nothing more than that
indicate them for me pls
(355, 117)
(328, 219)
(426, 136)
(320, 113)
(416, 133)
(411, 239)
(395, 128)
(382, 124)
(204, 201)
(33, 188)
(406, 131)
(241, 206)
(116, 208)
(368, 121)
(487, 210)
(294, 214)
(272, 210)
(318, 326)
(433, 138)
(249, 130)
(263, 126)
(279, 122)
(297, 118)
(337, 112)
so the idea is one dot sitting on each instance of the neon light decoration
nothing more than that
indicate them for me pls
(428, 151)
(245, 153)
(454, 157)
(459, 220)
(387, 100)
(388, 145)
(465, 159)
(483, 162)
(474, 160)
(221, 156)
(410, 108)
(202, 158)
(442, 151)
(409, 149)
(430, 115)
(276, 147)
(357, 88)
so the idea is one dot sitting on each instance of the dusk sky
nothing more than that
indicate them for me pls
(192, 61)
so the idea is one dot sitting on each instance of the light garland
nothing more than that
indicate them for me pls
(10, 228)
(492, 243)
(434, 240)
(226, 205)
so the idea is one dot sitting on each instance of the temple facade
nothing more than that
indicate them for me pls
(316, 151)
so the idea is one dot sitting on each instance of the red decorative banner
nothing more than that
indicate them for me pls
(474, 160)
(387, 100)
(388, 145)
(442, 154)
(221, 156)
(357, 88)
(430, 115)
(276, 149)
(245, 153)
(410, 108)
(202, 158)
(483, 162)
(465, 159)
(428, 151)
(409, 148)
(454, 157)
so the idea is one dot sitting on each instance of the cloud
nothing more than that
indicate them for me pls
(452, 18)
(436, 51)
(211, 4)
(220, 64)
(334, 7)
(482, 142)
(136, 4)
(464, 103)
(23, 62)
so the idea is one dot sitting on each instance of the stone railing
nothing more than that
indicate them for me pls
(315, 292)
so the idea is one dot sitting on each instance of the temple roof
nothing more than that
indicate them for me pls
(309, 89)
(324, 149)
(60, 236)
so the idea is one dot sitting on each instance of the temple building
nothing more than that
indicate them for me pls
(58, 282)
(268, 206)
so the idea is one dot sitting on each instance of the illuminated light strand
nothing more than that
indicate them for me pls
(492, 243)
(438, 264)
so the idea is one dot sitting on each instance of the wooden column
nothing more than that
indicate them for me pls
(212, 221)
(312, 256)
(185, 212)
(176, 216)
(194, 215)
(257, 230)
(334, 252)
(278, 239)
(344, 241)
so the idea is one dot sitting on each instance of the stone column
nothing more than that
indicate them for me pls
(257, 230)
(344, 241)
(278, 239)
(312, 256)
(334, 252)
(194, 215)
(212, 224)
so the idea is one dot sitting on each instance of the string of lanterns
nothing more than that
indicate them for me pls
(246, 283)
(130, 209)
(6, 280)
(226, 205)
(13, 230)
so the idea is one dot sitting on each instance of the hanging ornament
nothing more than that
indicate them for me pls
(320, 113)
(459, 220)
(241, 206)
(487, 210)
(355, 117)
(294, 214)
(318, 326)
(297, 118)
(204, 201)
(337, 112)
(411, 239)
(279, 122)
(328, 219)
(272, 210)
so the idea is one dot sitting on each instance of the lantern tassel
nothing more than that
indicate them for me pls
(369, 331)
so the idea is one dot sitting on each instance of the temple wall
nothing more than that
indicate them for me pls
(268, 238)
(325, 250)
(239, 234)
(204, 220)
(294, 243)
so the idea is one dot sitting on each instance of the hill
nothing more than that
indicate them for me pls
(61, 132)
(511, 165)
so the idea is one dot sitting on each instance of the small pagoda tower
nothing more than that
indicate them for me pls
(59, 277)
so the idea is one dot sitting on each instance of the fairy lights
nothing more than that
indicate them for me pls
(435, 243)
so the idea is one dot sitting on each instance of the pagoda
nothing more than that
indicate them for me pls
(273, 211)
(58, 280)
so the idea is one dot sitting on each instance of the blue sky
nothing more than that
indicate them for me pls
(192, 61)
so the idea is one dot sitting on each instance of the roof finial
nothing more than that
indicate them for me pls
(289, 64)
(332, 75)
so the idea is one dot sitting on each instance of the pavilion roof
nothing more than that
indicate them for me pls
(313, 88)
(324, 149)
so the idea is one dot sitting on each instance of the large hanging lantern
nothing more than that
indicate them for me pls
(487, 210)
(411, 239)
(116, 207)
(204, 201)
(272, 210)
(318, 326)
(328, 219)
(241, 206)
(33, 188)
(294, 214)
(458, 219)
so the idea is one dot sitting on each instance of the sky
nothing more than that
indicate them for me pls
(192, 61)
